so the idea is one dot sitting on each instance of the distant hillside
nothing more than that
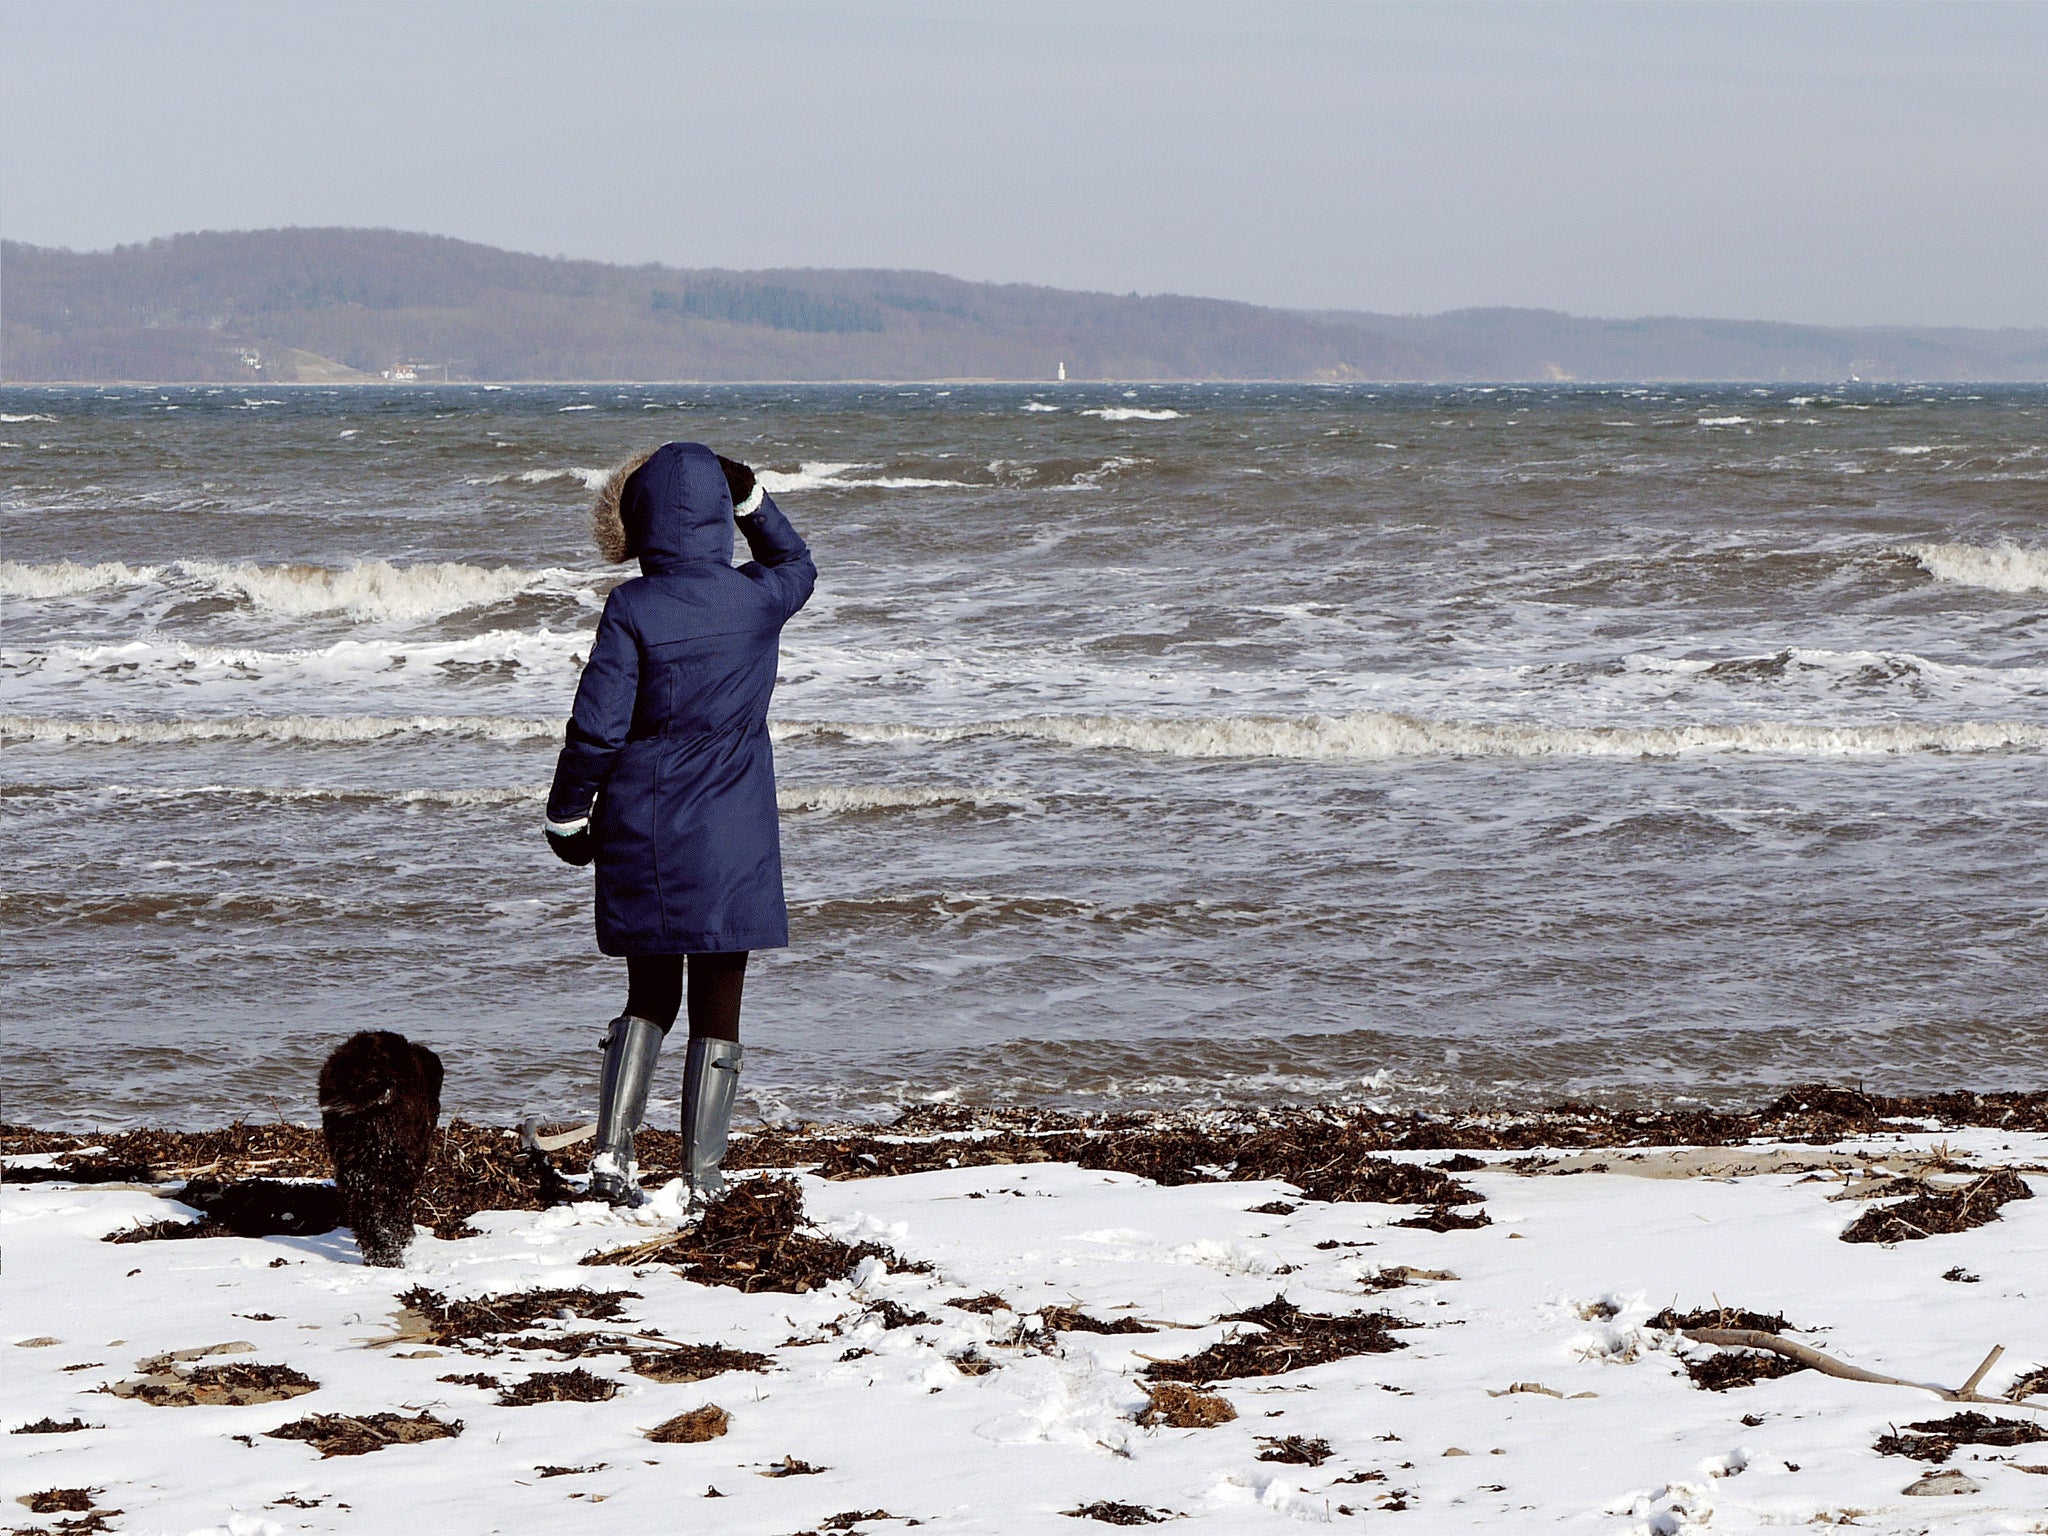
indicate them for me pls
(341, 304)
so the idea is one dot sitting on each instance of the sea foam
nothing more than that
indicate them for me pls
(1377, 736)
(1997, 567)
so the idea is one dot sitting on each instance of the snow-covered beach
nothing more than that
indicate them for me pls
(1524, 1374)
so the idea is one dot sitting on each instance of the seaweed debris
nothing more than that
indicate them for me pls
(1109, 1512)
(982, 1306)
(1443, 1218)
(696, 1362)
(751, 1240)
(571, 1386)
(892, 1314)
(1672, 1321)
(1074, 1320)
(692, 1428)
(479, 1317)
(344, 1434)
(2032, 1383)
(1175, 1405)
(1929, 1215)
(59, 1501)
(1289, 1340)
(573, 1346)
(474, 1168)
(1727, 1368)
(1295, 1450)
(210, 1386)
(165, 1229)
(80, 1168)
(1937, 1439)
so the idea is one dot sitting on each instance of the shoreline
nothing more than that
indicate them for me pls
(1007, 1322)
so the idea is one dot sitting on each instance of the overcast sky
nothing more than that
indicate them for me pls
(1809, 162)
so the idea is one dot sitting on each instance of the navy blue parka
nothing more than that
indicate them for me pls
(668, 750)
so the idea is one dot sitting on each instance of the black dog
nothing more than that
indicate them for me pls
(380, 1096)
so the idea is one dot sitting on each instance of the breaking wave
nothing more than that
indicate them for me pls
(494, 655)
(373, 591)
(68, 578)
(833, 477)
(310, 729)
(1377, 736)
(1132, 413)
(818, 799)
(589, 479)
(1996, 568)
(1365, 737)
(376, 590)
(853, 799)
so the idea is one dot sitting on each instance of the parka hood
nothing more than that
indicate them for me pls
(669, 507)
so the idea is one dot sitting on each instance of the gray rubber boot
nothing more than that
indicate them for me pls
(631, 1045)
(711, 1081)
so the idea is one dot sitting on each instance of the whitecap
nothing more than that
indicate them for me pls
(497, 655)
(1132, 413)
(377, 590)
(67, 578)
(834, 477)
(1722, 421)
(576, 408)
(589, 479)
(6, 416)
(372, 591)
(1031, 405)
(1996, 568)
(853, 799)
(1088, 479)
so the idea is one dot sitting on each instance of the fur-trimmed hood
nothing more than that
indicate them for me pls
(607, 524)
(668, 506)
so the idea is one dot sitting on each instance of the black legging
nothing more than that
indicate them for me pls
(654, 991)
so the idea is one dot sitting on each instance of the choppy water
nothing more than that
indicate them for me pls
(1139, 748)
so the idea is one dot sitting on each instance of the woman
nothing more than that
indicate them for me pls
(668, 780)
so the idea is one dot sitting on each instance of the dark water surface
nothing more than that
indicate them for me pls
(1140, 748)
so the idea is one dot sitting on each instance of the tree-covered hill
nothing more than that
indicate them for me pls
(337, 304)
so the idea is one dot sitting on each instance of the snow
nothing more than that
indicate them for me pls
(1555, 1293)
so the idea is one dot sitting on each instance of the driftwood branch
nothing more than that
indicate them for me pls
(531, 1139)
(1828, 1365)
(1978, 1374)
